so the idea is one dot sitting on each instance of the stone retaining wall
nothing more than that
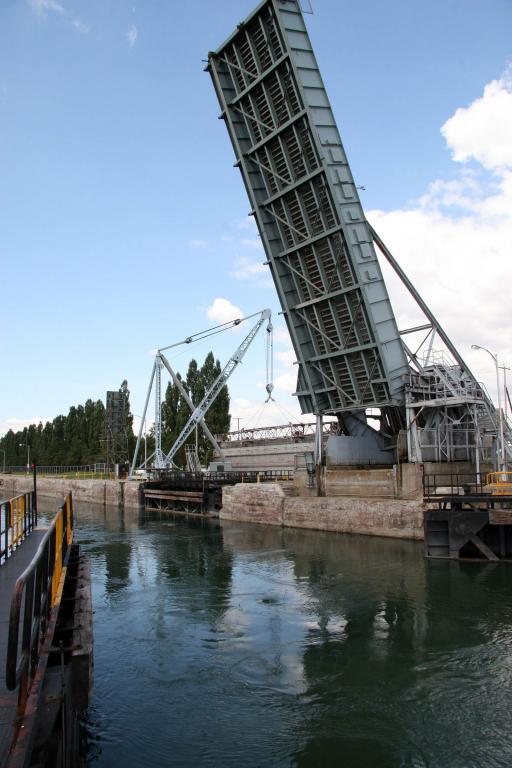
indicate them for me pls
(264, 503)
(120, 492)
(268, 504)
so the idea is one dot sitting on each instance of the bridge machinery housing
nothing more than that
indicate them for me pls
(353, 361)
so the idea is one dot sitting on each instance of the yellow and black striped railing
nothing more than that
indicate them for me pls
(35, 601)
(18, 516)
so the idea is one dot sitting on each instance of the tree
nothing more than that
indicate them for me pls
(71, 440)
(176, 412)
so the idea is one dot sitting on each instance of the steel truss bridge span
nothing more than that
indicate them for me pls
(306, 205)
(320, 250)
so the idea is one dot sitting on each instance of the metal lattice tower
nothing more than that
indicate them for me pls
(305, 201)
(117, 412)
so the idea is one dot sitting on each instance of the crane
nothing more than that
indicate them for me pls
(210, 395)
(197, 418)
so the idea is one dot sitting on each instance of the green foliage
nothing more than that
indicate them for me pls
(176, 412)
(75, 439)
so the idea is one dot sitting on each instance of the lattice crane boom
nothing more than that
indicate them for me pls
(212, 393)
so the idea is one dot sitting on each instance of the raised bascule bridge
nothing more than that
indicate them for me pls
(396, 411)
(400, 396)
(353, 361)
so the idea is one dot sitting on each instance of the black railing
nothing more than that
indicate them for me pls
(18, 516)
(234, 476)
(454, 484)
(35, 594)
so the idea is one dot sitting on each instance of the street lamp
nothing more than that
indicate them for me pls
(502, 461)
(28, 454)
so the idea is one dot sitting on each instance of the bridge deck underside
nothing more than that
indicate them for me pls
(318, 244)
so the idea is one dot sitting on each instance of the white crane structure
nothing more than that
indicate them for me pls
(197, 418)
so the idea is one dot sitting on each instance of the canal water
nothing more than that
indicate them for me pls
(222, 644)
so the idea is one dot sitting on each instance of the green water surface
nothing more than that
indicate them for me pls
(221, 644)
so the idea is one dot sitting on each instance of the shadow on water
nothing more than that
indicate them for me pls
(223, 643)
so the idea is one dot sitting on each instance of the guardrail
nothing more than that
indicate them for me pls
(79, 472)
(233, 476)
(454, 484)
(18, 516)
(36, 592)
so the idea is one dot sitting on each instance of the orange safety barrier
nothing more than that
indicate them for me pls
(500, 483)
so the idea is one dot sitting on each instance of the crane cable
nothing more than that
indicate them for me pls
(200, 335)
(269, 360)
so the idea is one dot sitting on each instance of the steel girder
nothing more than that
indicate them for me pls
(303, 196)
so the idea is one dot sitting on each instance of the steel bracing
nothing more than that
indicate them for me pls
(311, 222)
(159, 460)
(200, 411)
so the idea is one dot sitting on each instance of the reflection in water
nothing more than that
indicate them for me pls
(230, 644)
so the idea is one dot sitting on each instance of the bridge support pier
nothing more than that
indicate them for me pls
(318, 456)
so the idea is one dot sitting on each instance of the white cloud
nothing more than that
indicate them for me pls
(483, 131)
(19, 424)
(43, 7)
(80, 26)
(286, 357)
(257, 413)
(281, 336)
(286, 382)
(246, 269)
(132, 35)
(222, 311)
(454, 242)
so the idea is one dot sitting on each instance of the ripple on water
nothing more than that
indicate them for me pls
(257, 647)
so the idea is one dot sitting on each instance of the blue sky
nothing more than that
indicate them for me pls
(122, 218)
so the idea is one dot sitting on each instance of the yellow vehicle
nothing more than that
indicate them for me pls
(499, 483)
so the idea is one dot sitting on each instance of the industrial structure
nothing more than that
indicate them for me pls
(398, 394)
(116, 425)
(159, 459)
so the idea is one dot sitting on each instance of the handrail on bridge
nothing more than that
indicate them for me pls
(467, 484)
(36, 592)
(18, 516)
(230, 476)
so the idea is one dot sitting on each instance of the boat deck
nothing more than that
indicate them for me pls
(10, 570)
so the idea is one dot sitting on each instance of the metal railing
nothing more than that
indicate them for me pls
(232, 476)
(36, 592)
(77, 472)
(18, 516)
(454, 484)
(292, 432)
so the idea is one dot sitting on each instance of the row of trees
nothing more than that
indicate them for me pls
(176, 412)
(80, 437)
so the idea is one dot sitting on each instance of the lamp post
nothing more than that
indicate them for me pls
(504, 368)
(502, 462)
(28, 454)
